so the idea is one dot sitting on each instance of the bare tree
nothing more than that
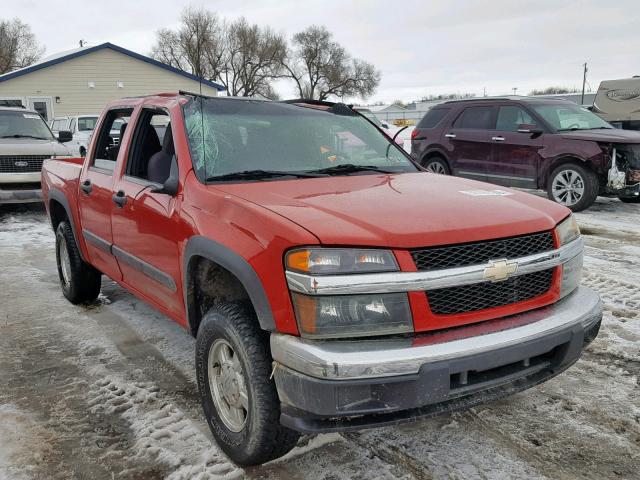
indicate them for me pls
(18, 46)
(244, 58)
(197, 46)
(321, 67)
(554, 90)
(254, 57)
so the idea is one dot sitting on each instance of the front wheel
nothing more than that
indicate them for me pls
(573, 186)
(240, 401)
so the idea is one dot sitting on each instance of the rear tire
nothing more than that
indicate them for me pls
(437, 165)
(240, 401)
(80, 282)
(630, 199)
(573, 185)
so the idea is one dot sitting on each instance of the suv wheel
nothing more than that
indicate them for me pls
(573, 186)
(80, 282)
(240, 401)
(437, 165)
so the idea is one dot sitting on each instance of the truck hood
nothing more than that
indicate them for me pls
(31, 146)
(402, 210)
(614, 135)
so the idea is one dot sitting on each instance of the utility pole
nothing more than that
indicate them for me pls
(82, 42)
(584, 81)
(484, 91)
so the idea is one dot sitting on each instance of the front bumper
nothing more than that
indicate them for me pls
(630, 191)
(343, 385)
(28, 190)
(20, 196)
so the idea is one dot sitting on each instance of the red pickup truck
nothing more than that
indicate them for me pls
(331, 284)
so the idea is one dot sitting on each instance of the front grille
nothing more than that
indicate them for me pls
(21, 163)
(463, 254)
(478, 296)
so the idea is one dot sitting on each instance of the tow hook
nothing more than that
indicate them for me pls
(616, 179)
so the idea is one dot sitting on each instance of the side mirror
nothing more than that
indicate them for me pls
(65, 136)
(534, 130)
(170, 186)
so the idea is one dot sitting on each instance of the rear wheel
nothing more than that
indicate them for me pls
(573, 186)
(80, 282)
(437, 165)
(239, 398)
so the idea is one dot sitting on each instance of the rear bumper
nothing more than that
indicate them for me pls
(344, 385)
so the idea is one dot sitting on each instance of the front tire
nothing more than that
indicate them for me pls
(574, 186)
(240, 401)
(80, 282)
(437, 165)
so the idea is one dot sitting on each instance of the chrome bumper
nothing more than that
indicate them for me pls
(367, 359)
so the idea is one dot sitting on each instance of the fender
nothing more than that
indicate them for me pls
(439, 149)
(238, 266)
(59, 196)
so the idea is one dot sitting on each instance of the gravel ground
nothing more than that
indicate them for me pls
(107, 391)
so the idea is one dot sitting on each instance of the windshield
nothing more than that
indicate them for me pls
(563, 117)
(369, 114)
(247, 135)
(86, 124)
(23, 124)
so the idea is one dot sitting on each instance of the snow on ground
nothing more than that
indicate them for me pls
(108, 390)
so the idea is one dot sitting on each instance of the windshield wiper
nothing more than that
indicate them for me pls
(351, 168)
(17, 135)
(259, 174)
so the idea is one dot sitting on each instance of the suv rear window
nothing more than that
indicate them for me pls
(476, 117)
(433, 117)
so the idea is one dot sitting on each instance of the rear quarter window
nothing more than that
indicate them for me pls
(433, 117)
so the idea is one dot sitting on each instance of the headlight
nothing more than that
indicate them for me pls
(568, 230)
(323, 261)
(352, 315)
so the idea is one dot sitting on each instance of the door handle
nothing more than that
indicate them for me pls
(119, 198)
(450, 135)
(497, 139)
(86, 186)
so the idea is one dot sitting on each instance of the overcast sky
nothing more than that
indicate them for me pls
(421, 47)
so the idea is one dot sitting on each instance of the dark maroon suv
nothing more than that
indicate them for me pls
(527, 142)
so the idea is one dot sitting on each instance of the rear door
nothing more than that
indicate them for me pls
(470, 141)
(95, 198)
(515, 159)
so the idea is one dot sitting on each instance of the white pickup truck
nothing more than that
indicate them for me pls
(81, 128)
(25, 142)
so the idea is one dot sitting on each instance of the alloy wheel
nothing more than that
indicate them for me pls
(227, 384)
(567, 187)
(436, 167)
(65, 262)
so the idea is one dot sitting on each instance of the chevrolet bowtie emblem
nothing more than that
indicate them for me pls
(499, 270)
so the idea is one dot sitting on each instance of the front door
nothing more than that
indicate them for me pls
(95, 197)
(145, 222)
(42, 105)
(470, 141)
(515, 159)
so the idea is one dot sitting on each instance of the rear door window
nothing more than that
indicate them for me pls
(109, 138)
(433, 117)
(479, 118)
